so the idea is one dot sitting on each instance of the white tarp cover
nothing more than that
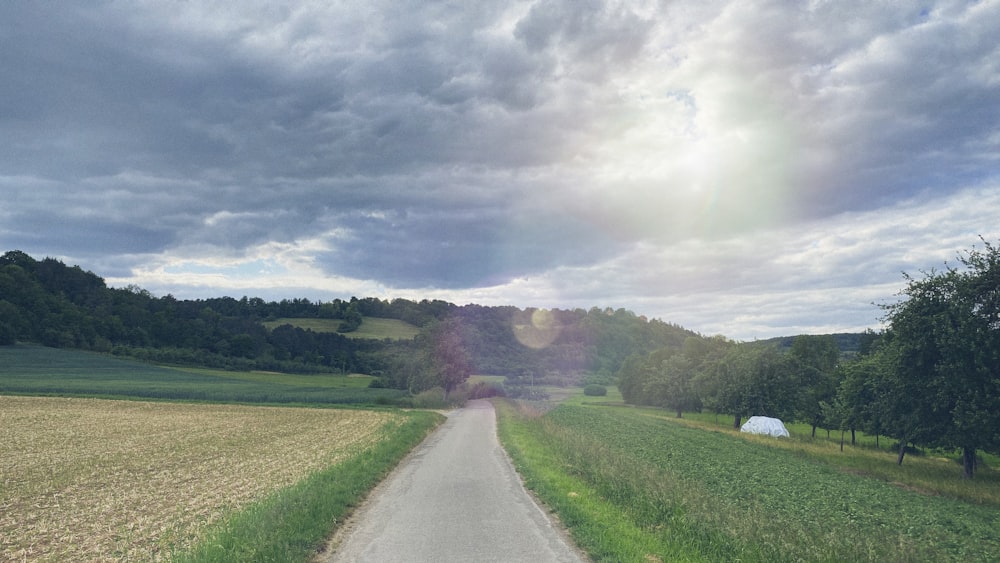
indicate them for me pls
(765, 425)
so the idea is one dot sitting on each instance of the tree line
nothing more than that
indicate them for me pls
(48, 302)
(930, 378)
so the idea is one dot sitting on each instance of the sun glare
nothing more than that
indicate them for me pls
(536, 328)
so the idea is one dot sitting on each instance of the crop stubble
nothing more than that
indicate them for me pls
(91, 479)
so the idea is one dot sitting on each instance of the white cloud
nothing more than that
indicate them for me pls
(717, 164)
(819, 277)
(824, 276)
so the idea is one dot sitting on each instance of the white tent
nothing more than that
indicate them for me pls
(765, 425)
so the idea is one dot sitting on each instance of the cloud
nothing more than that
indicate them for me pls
(823, 276)
(584, 152)
(817, 277)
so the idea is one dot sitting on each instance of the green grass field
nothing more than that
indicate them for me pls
(637, 485)
(371, 327)
(37, 370)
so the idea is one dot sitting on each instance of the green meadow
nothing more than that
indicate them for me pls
(37, 370)
(637, 485)
(371, 327)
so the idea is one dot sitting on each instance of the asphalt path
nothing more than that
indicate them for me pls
(456, 498)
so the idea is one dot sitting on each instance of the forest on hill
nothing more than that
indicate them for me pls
(47, 302)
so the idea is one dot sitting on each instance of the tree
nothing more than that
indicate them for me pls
(631, 379)
(946, 338)
(672, 385)
(864, 392)
(817, 357)
(450, 361)
(352, 319)
(752, 380)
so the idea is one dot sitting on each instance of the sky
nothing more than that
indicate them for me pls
(750, 169)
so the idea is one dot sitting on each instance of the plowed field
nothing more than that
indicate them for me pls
(90, 479)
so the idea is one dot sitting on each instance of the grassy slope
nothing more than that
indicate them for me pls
(28, 369)
(371, 327)
(633, 486)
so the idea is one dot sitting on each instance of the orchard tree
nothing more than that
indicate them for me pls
(752, 380)
(817, 359)
(946, 338)
(631, 379)
(672, 385)
(864, 392)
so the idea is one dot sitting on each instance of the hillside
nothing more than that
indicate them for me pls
(847, 342)
(371, 327)
(46, 302)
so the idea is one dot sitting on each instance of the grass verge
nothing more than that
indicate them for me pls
(293, 523)
(631, 487)
(598, 526)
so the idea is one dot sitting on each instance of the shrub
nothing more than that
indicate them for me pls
(594, 390)
(602, 377)
(485, 390)
(430, 399)
(380, 383)
(434, 398)
(525, 392)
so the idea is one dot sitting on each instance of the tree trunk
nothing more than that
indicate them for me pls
(814, 430)
(968, 462)
(902, 452)
(854, 438)
(736, 421)
(679, 413)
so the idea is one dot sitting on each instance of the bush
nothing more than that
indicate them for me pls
(594, 390)
(485, 390)
(525, 392)
(434, 398)
(430, 399)
(602, 377)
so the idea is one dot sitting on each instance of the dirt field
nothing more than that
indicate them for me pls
(89, 479)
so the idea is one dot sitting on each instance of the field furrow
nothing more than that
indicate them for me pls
(90, 479)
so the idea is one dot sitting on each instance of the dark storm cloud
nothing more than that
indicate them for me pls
(441, 247)
(418, 145)
(78, 237)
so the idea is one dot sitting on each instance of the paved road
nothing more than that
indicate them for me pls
(457, 499)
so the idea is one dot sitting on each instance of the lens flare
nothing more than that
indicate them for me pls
(536, 328)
